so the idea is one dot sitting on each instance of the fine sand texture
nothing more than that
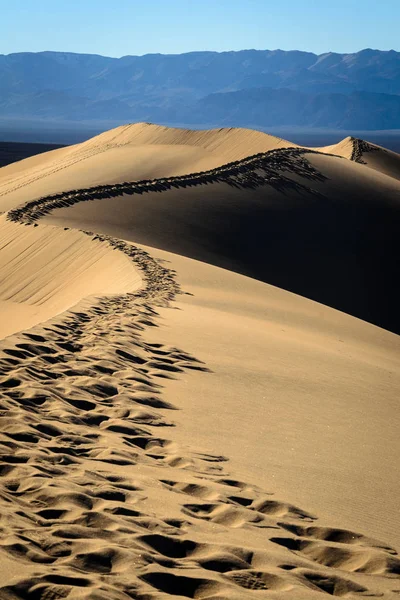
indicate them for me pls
(44, 271)
(173, 425)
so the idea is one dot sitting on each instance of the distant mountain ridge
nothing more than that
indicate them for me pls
(245, 88)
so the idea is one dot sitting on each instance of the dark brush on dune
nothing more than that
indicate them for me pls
(241, 174)
(360, 147)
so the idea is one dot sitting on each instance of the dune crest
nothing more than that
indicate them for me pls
(363, 152)
(146, 151)
(233, 143)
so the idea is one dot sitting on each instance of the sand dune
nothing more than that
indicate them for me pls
(127, 153)
(284, 218)
(378, 158)
(373, 156)
(146, 151)
(241, 446)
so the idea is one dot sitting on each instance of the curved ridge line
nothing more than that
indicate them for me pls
(240, 174)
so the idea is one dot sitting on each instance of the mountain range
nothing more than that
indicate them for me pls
(245, 88)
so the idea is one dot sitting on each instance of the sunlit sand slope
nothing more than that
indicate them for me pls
(44, 271)
(129, 152)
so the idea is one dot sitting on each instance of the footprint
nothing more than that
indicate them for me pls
(223, 563)
(24, 552)
(192, 489)
(340, 536)
(153, 401)
(274, 508)
(171, 547)
(100, 561)
(51, 514)
(110, 495)
(179, 585)
(11, 382)
(335, 586)
(259, 580)
(218, 513)
(360, 560)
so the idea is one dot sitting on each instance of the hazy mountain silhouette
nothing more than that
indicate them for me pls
(250, 87)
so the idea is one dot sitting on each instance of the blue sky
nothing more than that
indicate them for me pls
(120, 27)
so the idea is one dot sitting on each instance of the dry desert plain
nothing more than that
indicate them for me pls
(199, 369)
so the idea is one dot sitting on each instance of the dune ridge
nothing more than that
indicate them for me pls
(232, 143)
(378, 158)
(214, 148)
(147, 151)
(241, 174)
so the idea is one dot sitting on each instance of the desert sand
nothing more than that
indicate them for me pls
(199, 369)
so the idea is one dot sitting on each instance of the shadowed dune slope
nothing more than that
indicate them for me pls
(44, 271)
(325, 228)
(383, 160)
